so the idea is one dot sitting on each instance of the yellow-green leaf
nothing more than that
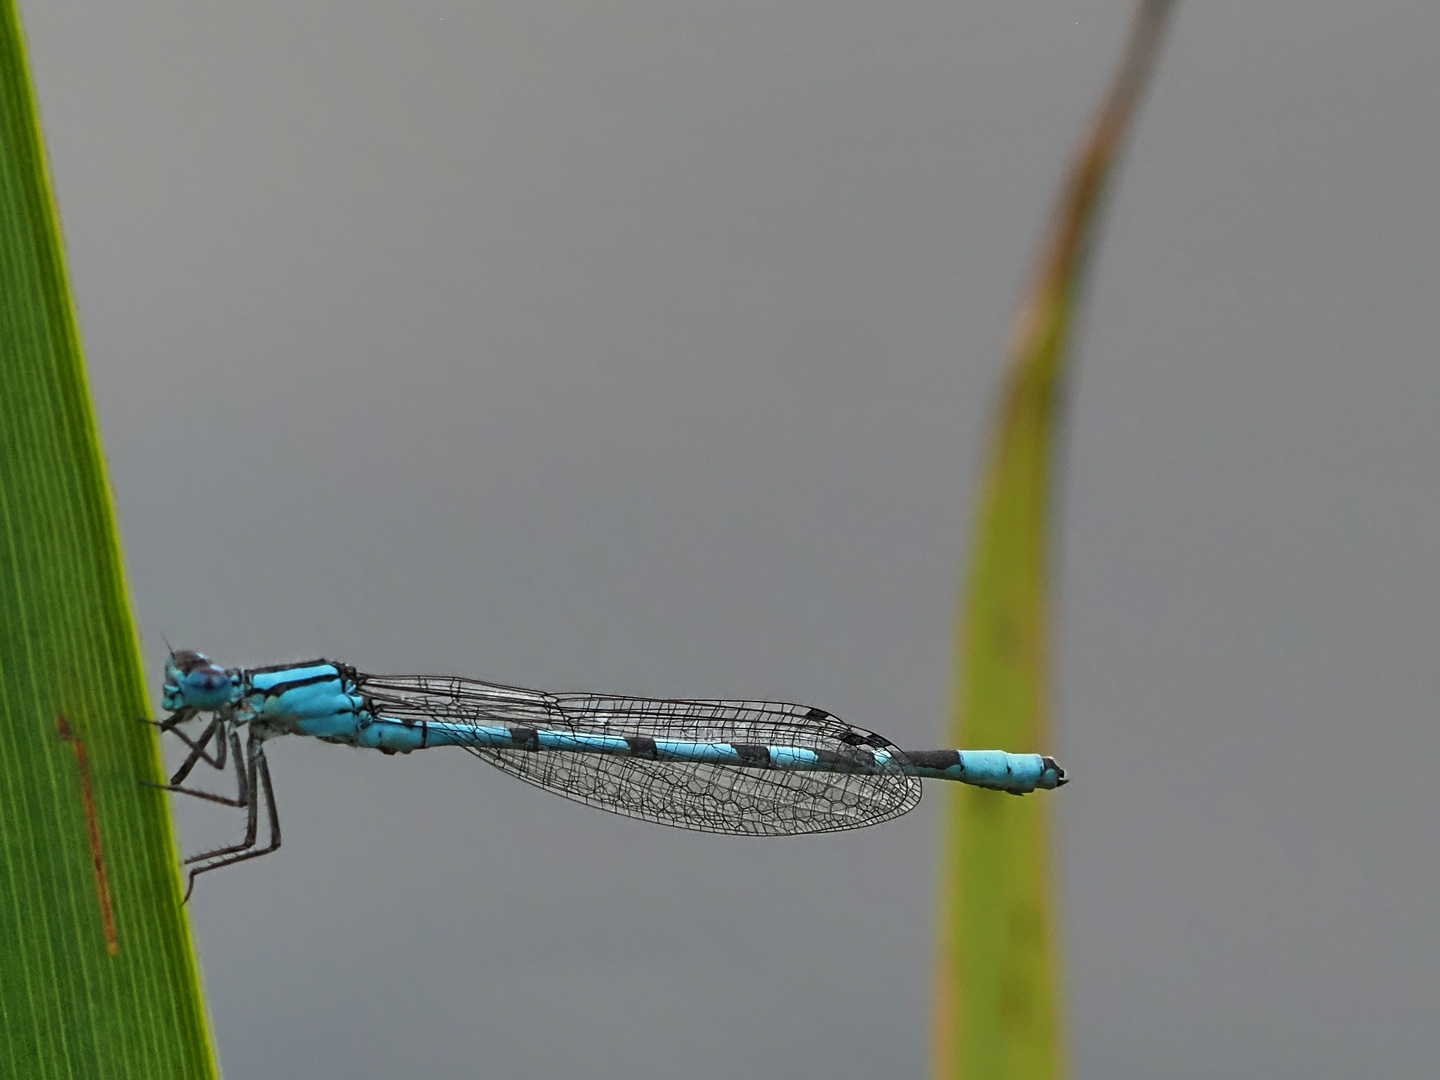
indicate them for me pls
(998, 1010)
(98, 975)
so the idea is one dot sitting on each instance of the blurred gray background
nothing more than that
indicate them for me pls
(648, 347)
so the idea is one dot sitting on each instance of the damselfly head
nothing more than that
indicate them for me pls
(192, 681)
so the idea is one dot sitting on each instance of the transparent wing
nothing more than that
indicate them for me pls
(690, 795)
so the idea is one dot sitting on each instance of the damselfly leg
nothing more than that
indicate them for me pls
(199, 753)
(252, 783)
(199, 749)
(258, 769)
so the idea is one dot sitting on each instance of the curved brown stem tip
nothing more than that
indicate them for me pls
(1037, 338)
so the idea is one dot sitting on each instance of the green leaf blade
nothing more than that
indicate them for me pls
(77, 998)
(998, 1012)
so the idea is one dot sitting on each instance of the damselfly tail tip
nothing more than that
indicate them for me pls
(1060, 778)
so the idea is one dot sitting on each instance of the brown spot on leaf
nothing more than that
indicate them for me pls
(92, 824)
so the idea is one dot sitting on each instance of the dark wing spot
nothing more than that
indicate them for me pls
(864, 738)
